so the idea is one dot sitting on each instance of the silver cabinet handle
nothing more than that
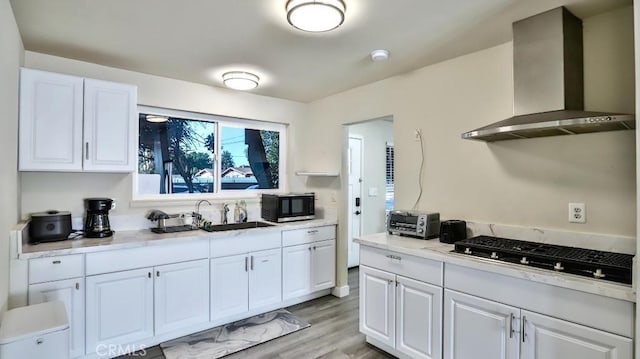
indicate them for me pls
(314, 248)
(77, 286)
(251, 262)
(56, 262)
(86, 150)
(391, 256)
(157, 273)
(389, 281)
(39, 341)
(511, 330)
(309, 249)
(312, 231)
(149, 274)
(524, 323)
(246, 264)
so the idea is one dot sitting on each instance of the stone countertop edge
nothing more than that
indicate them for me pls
(435, 250)
(144, 237)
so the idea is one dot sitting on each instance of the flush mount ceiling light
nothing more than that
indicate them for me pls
(379, 55)
(315, 15)
(157, 118)
(240, 80)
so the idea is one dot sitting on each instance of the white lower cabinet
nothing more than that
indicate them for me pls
(480, 328)
(550, 338)
(401, 313)
(130, 306)
(181, 295)
(71, 292)
(119, 309)
(245, 282)
(308, 268)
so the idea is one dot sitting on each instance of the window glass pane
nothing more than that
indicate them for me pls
(175, 156)
(250, 159)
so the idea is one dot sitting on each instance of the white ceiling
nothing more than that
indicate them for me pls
(198, 40)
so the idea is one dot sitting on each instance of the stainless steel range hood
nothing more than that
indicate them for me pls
(548, 84)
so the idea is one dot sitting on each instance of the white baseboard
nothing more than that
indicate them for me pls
(340, 291)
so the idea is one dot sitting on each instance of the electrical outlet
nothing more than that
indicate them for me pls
(577, 213)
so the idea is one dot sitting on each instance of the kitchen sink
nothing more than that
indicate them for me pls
(234, 226)
(173, 229)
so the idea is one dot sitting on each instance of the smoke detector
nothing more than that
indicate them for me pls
(379, 55)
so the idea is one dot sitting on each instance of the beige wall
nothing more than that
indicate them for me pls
(11, 56)
(375, 134)
(42, 191)
(522, 182)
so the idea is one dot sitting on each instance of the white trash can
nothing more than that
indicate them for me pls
(39, 331)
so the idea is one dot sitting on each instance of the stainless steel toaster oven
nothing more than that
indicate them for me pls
(422, 225)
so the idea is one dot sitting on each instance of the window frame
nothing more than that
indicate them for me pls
(220, 121)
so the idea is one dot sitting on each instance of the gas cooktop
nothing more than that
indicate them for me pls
(616, 267)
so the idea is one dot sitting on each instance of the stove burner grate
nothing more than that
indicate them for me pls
(610, 266)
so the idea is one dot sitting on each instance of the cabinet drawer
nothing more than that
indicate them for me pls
(423, 269)
(307, 235)
(56, 268)
(125, 259)
(232, 245)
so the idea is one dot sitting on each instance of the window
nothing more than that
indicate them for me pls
(389, 194)
(185, 154)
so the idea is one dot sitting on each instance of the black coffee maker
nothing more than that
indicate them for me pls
(96, 221)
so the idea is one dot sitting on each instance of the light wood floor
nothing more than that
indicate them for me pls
(333, 332)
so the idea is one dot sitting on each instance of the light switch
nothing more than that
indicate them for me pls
(373, 191)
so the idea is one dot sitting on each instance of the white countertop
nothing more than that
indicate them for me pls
(144, 237)
(434, 249)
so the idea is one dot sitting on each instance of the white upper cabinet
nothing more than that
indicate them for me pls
(110, 129)
(54, 110)
(50, 121)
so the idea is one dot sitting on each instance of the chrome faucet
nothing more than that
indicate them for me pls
(197, 216)
(224, 212)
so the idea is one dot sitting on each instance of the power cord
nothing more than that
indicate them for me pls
(420, 175)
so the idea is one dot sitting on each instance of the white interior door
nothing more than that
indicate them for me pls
(355, 192)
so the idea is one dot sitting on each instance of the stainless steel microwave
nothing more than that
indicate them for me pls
(288, 207)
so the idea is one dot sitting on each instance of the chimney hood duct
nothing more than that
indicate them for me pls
(548, 84)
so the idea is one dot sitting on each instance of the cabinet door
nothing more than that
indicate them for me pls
(181, 295)
(265, 278)
(296, 271)
(119, 308)
(110, 126)
(550, 338)
(229, 286)
(377, 304)
(71, 292)
(323, 270)
(50, 131)
(478, 328)
(418, 319)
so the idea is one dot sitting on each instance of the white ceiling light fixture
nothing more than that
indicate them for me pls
(240, 80)
(379, 55)
(157, 118)
(316, 15)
